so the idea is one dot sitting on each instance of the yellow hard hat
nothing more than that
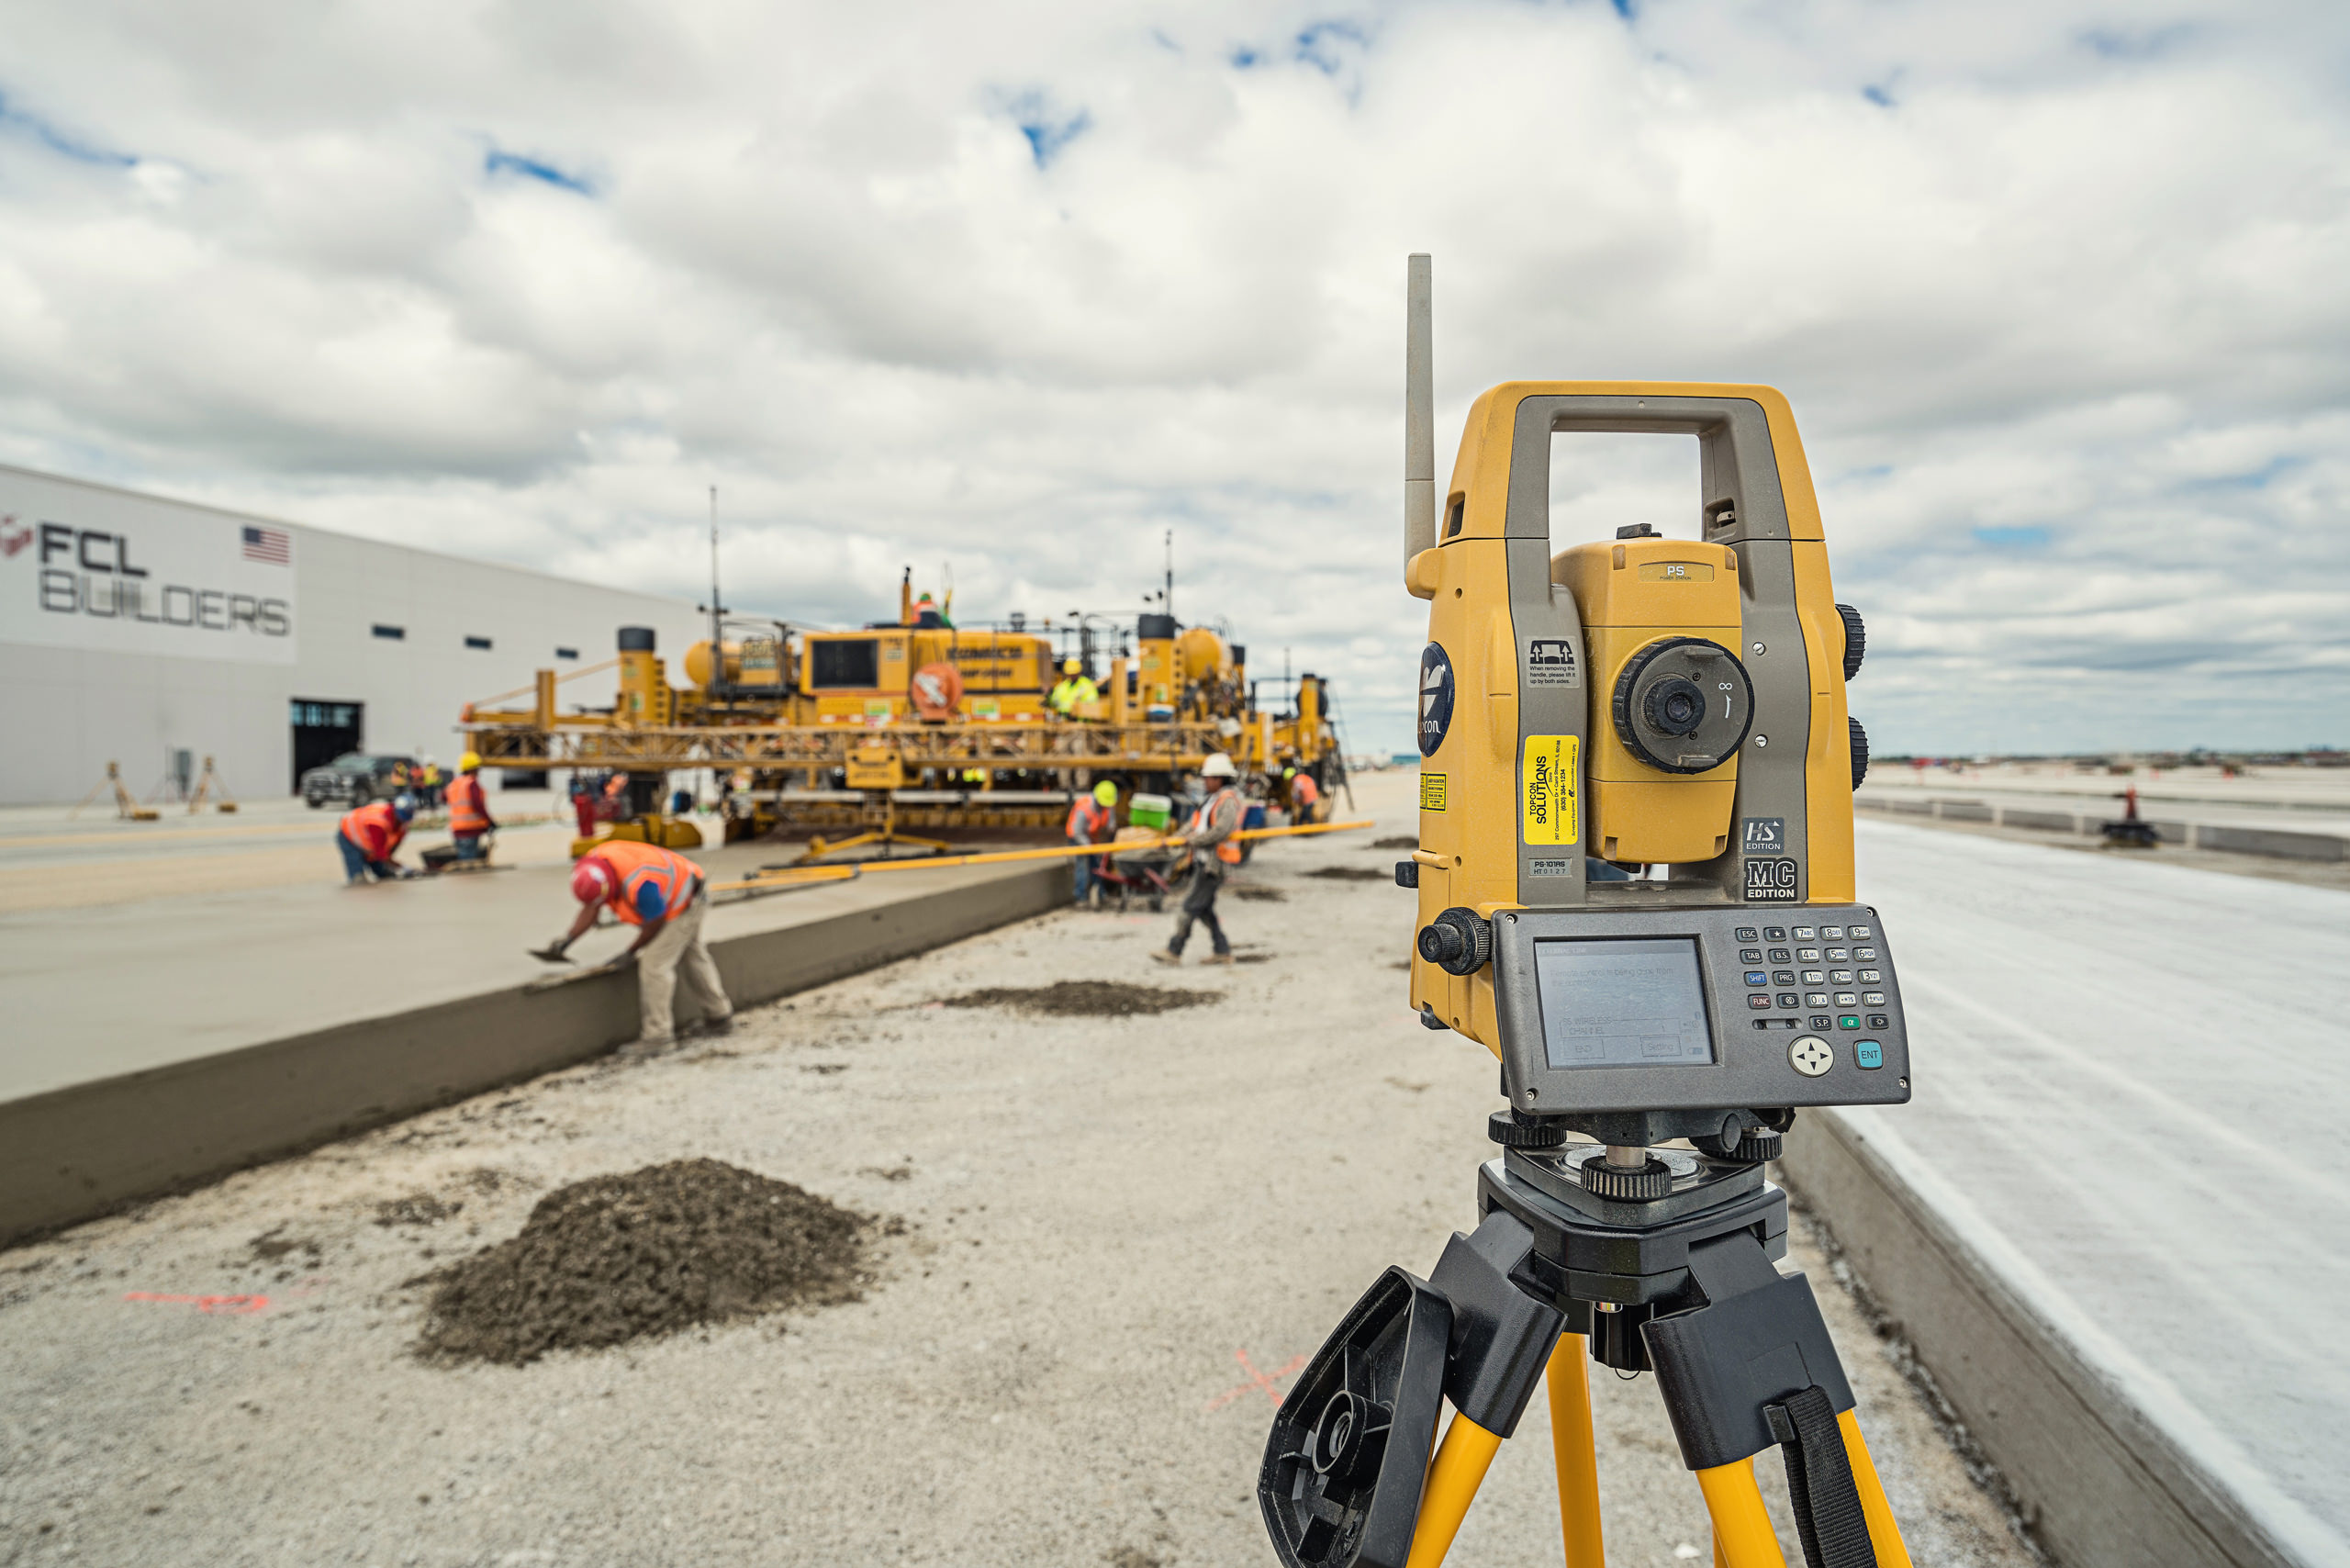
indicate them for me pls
(1106, 792)
(1288, 772)
(1072, 667)
(469, 762)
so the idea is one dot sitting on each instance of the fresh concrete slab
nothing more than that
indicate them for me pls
(2129, 1075)
(256, 1025)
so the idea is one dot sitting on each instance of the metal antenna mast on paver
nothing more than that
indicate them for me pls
(1635, 880)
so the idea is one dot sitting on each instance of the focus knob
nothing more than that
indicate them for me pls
(1860, 750)
(1457, 942)
(1856, 640)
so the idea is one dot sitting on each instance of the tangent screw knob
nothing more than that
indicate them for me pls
(1510, 1130)
(1602, 1179)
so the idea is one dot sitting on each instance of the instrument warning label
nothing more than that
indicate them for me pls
(1431, 791)
(1548, 778)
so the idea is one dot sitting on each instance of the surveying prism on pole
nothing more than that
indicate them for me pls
(1636, 888)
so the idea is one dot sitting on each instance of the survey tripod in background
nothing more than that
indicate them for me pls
(1636, 888)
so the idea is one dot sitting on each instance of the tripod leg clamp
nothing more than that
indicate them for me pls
(1503, 1331)
(1751, 1367)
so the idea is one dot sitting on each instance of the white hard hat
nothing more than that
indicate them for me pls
(1218, 766)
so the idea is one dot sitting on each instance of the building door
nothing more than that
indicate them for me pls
(322, 732)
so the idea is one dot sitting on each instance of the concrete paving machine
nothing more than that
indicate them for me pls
(912, 724)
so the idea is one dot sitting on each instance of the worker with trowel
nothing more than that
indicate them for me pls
(1214, 852)
(660, 892)
(370, 835)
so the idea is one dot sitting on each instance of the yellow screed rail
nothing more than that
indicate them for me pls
(804, 875)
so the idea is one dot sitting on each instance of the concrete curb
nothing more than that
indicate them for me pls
(2278, 842)
(2110, 1461)
(76, 1153)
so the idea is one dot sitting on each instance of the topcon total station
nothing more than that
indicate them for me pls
(1635, 878)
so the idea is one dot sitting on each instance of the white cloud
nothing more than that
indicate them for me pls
(2057, 290)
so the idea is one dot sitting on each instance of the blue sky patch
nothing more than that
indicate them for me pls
(62, 143)
(1048, 130)
(501, 162)
(1321, 45)
(2018, 536)
(1881, 96)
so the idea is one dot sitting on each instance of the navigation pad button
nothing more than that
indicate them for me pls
(1810, 1055)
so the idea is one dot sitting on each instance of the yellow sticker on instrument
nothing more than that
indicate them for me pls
(1549, 780)
(1431, 791)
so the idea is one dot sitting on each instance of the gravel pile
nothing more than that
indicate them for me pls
(618, 1258)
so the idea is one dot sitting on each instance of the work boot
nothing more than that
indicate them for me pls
(1217, 958)
(712, 1027)
(1164, 957)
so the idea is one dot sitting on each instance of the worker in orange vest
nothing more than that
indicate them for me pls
(660, 893)
(1304, 795)
(1091, 819)
(370, 835)
(1214, 854)
(469, 815)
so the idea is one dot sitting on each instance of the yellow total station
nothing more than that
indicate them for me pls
(1669, 711)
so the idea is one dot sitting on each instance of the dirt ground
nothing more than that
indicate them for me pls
(1118, 1238)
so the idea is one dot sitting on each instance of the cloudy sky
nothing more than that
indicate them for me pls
(2060, 291)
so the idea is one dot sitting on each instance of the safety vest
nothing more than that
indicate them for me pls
(376, 829)
(1088, 818)
(468, 813)
(431, 774)
(636, 867)
(1228, 851)
(1303, 790)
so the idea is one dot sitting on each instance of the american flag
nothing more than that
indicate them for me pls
(268, 544)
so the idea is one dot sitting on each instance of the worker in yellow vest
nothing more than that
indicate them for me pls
(1214, 854)
(1075, 690)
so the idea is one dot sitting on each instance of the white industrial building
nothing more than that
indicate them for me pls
(134, 629)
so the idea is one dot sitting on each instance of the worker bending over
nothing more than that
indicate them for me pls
(660, 892)
(469, 815)
(1211, 828)
(1075, 690)
(1304, 797)
(371, 835)
(1091, 819)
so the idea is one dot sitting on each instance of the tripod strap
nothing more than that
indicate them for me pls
(1828, 1518)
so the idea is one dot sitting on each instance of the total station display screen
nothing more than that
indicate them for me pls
(1629, 1001)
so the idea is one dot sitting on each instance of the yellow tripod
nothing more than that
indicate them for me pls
(1679, 1281)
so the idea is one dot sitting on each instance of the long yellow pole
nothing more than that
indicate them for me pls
(1568, 1378)
(1064, 851)
(1742, 1534)
(1885, 1532)
(1459, 1469)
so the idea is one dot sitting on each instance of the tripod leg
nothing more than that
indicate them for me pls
(1742, 1534)
(1454, 1479)
(1571, 1444)
(1884, 1533)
